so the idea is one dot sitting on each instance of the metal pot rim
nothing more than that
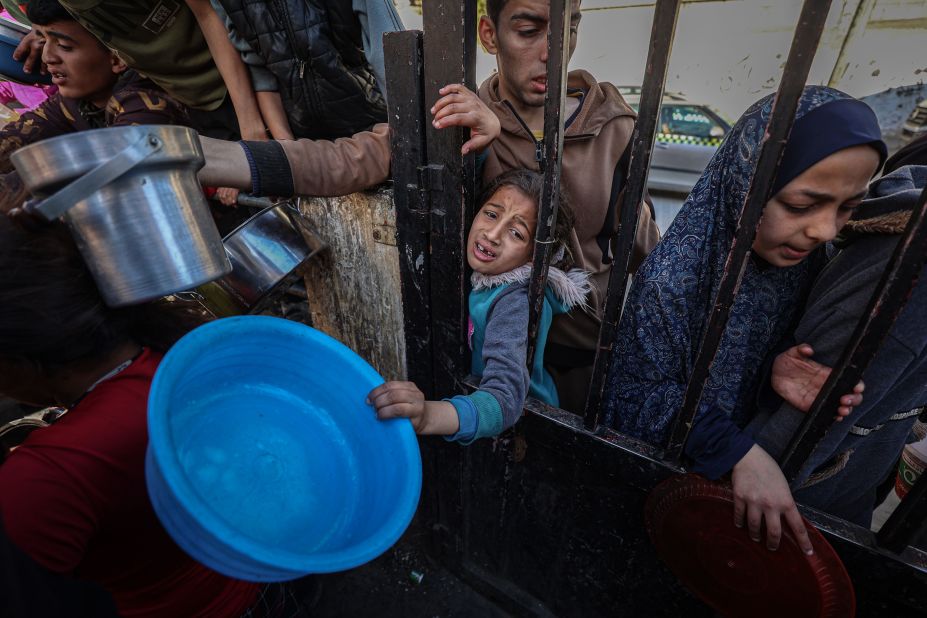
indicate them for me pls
(247, 223)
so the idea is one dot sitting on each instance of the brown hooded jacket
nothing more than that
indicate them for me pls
(592, 146)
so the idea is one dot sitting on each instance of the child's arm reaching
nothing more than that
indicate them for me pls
(231, 68)
(316, 167)
(498, 403)
(405, 400)
(271, 106)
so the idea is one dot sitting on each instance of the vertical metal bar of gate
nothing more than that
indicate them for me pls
(449, 179)
(558, 44)
(405, 74)
(801, 54)
(887, 302)
(662, 33)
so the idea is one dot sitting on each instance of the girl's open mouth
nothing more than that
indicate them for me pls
(483, 253)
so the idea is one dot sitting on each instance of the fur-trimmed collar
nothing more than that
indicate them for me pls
(571, 287)
(889, 223)
(887, 208)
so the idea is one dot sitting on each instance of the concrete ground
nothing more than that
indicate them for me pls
(389, 587)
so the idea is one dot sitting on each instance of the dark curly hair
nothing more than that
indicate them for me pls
(44, 12)
(51, 313)
(531, 184)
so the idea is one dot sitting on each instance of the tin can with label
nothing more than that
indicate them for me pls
(909, 469)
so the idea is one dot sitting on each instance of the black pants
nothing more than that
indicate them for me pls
(220, 123)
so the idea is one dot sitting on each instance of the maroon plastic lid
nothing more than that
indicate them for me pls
(690, 520)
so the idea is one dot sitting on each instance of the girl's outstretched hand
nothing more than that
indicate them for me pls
(399, 400)
(405, 400)
(798, 379)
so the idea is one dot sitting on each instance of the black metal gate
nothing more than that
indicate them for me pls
(547, 519)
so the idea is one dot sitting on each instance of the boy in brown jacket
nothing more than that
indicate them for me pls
(598, 128)
(506, 121)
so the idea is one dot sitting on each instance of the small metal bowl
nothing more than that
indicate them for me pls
(266, 252)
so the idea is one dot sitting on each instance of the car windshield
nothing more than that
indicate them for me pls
(689, 120)
(685, 122)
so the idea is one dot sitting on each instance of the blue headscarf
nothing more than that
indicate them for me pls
(671, 298)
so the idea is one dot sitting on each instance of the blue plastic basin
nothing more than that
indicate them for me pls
(264, 461)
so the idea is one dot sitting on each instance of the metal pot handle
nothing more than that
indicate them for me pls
(250, 201)
(57, 204)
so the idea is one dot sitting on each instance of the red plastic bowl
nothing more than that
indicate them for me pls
(690, 521)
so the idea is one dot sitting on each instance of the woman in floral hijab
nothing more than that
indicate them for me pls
(834, 149)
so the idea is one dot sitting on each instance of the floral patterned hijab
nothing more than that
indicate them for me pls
(672, 295)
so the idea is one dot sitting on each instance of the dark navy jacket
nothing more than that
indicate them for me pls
(315, 50)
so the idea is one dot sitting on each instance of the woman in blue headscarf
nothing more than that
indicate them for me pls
(833, 150)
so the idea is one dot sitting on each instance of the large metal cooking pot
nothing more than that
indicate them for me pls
(266, 252)
(133, 204)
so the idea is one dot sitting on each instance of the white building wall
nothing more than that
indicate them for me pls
(729, 53)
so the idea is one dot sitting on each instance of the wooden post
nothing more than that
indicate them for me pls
(354, 284)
